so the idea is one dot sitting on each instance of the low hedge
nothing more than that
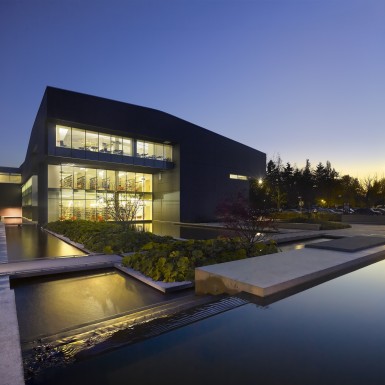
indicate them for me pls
(176, 260)
(334, 225)
(306, 216)
(325, 225)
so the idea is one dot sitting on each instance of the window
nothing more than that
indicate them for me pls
(150, 150)
(6, 177)
(239, 177)
(168, 152)
(81, 193)
(159, 151)
(104, 143)
(121, 181)
(102, 180)
(140, 149)
(116, 145)
(80, 178)
(90, 179)
(66, 177)
(78, 139)
(127, 147)
(63, 136)
(92, 141)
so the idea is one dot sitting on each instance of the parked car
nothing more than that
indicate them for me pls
(366, 211)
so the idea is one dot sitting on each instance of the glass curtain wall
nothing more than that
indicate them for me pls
(79, 139)
(152, 150)
(29, 197)
(6, 177)
(76, 192)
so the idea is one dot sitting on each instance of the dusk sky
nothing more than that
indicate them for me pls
(303, 79)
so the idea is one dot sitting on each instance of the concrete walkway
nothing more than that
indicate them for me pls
(57, 265)
(275, 273)
(11, 363)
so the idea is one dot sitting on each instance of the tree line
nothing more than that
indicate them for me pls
(285, 186)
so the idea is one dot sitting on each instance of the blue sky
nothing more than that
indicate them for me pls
(296, 78)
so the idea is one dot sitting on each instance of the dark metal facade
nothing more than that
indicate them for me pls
(189, 190)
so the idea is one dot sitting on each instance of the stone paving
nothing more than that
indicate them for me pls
(271, 274)
(58, 265)
(11, 363)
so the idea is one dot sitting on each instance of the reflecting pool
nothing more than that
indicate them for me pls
(333, 333)
(29, 242)
(298, 245)
(48, 305)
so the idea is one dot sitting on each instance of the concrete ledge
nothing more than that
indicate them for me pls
(164, 287)
(58, 265)
(274, 273)
(61, 270)
(11, 364)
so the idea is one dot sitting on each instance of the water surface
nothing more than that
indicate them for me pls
(333, 333)
(48, 305)
(30, 242)
(298, 245)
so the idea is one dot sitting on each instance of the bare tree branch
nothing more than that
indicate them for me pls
(124, 211)
(248, 223)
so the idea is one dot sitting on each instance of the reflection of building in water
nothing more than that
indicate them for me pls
(86, 151)
(10, 195)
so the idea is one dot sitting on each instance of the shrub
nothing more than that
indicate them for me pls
(161, 258)
(176, 260)
(334, 225)
(307, 217)
(95, 236)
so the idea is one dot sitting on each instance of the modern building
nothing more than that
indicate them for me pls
(85, 152)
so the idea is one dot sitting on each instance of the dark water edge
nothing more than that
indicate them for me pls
(44, 357)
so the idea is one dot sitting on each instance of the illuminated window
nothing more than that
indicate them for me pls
(92, 143)
(75, 138)
(141, 149)
(116, 145)
(168, 152)
(76, 192)
(104, 143)
(63, 136)
(239, 177)
(78, 139)
(6, 177)
(127, 147)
